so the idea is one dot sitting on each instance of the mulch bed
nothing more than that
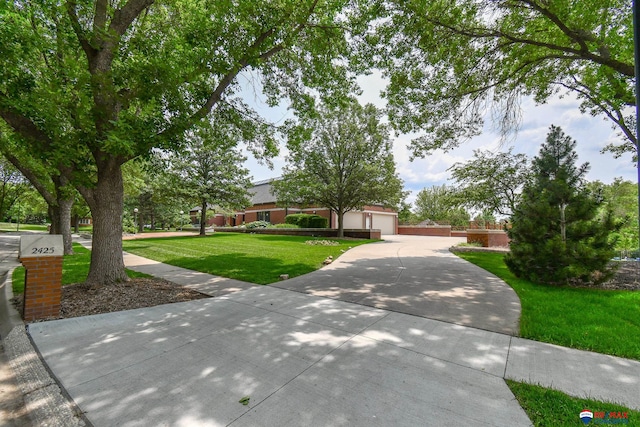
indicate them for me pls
(80, 300)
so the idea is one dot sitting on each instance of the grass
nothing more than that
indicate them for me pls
(74, 269)
(589, 319)
(251, 258)
(11, 226)
(546, 407)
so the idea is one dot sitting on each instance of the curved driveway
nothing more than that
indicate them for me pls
(419, 276)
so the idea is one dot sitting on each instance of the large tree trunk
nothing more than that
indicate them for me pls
(340, 223)
(61, 222)
(106, 203)
(203, 217)
(65, 206)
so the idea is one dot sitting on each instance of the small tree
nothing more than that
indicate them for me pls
(12, 185)
(556, 237)
(491, 181)
(151, 188)
(210, 170)
(441, 204)
(341, 159)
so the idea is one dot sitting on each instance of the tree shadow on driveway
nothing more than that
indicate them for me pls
(412, 279)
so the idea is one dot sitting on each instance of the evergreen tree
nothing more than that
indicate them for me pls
(556, 236)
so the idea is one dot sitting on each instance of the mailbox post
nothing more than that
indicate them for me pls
(41, 256)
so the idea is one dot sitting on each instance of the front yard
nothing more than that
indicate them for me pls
(251, 258)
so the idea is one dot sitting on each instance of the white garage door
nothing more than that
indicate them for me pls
(353, 220)
(386, 223)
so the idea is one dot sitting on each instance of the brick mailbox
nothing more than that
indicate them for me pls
(41, 256)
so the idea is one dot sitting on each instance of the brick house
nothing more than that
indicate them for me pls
(264, 208)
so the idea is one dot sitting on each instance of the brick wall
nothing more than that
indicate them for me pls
(421, 230)
(488, 238)
(43, 287)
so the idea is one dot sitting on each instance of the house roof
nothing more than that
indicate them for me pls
(261, 193)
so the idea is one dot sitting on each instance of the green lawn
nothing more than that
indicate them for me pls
(546, 407)
(254, 258)
(590, 319)
(74, 269)
(6, 226)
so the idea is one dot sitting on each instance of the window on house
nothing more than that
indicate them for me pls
(264, 216)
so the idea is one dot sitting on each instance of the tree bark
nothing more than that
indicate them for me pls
(61, 222)
(203, 217)
(106, 202)
(64, 218)
(563, 223)
(340, 224)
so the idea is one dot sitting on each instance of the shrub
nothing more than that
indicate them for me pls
(285, 225)
(257, 224)
(294, 219)
(307, 220)
(128, 226)
(317, 221)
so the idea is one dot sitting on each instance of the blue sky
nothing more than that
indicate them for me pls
(591, 134)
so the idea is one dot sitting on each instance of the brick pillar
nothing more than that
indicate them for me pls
(43, 287)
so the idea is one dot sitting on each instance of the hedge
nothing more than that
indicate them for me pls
(307, 221)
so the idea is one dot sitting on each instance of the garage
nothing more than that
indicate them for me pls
(352, 220)
(385, 223)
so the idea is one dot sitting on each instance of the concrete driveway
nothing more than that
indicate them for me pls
(419, 276)
(301, 360)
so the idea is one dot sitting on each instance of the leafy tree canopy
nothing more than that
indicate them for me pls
(621, 199)
(441, 204)
(491, 181)
(449, 61)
